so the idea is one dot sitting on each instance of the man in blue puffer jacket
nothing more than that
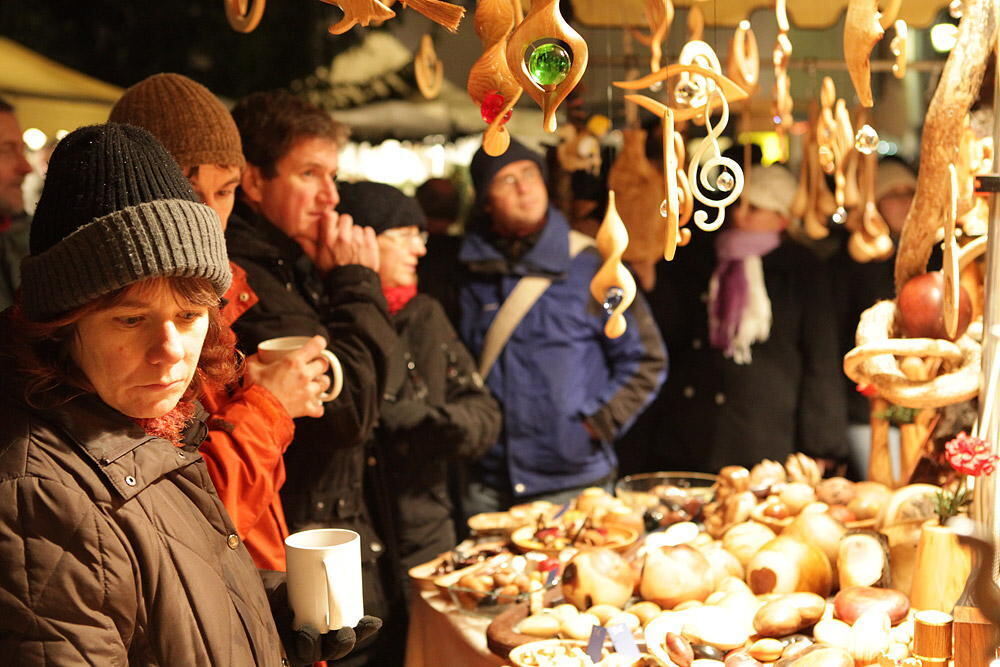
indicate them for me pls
(567, 390)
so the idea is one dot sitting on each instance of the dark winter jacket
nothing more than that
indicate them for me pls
(116, 549)
(437, 409)
(558, 371)
(715, 412)
(325, 464)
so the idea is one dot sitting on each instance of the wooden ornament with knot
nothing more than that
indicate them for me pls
(921, 372)
(613, 286)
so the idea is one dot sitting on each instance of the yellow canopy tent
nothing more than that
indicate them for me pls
(801, 13)
(50, 96)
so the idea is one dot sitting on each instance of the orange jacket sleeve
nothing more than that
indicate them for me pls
(249, 431)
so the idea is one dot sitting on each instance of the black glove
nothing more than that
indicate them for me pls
(403, 415)
(307, 645)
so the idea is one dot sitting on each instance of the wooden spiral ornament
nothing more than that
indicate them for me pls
(490, 75)
(781, 108)
(244, 15)
(729, 179)
(743, 62)
(546, 36)
(613, 286)
(862, 31)
(428, 69)
(728, 89)
(659, 15)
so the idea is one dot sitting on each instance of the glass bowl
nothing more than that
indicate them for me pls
(667, 497)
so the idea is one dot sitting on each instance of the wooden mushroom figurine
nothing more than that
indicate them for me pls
(547, 57)
(613, 286)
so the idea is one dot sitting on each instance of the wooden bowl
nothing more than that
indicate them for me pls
(492, 523)
(423, 575)
(619, 539)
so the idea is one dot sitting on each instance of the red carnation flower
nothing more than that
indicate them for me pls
(970, 456)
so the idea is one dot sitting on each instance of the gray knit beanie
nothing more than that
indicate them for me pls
(115, 210)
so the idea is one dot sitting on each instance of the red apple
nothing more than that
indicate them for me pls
(921, 309)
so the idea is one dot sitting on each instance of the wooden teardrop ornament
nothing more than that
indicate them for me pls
(862, 31)
(612, 239)
(544, 22)
(244, 15)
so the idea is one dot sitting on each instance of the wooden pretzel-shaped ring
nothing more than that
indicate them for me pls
(244, 15)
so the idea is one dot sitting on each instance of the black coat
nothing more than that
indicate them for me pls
(436, 409)
(326, 462)
(713, 412)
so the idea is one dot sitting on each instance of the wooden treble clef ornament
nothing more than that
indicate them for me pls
(547, 57)
(613, 286)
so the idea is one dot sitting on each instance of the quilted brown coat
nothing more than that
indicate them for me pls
(116, 549)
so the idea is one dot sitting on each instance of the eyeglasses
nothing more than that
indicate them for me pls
(527, 176)
(403, 236)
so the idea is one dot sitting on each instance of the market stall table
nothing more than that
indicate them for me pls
(442, 634)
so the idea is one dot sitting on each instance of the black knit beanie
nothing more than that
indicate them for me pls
(484, 167)
(115, 210)
(379, 206)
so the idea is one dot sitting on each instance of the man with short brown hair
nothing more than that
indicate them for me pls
(316, 273)
(14, 222)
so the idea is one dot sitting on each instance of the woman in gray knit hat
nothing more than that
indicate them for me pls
(117, 549)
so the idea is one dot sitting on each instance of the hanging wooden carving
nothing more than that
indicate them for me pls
(941, 139)
(428, 69)
(491, 84)
(743, 61)
(244, 15)
(613, 286)
(898, 47)
(443, 13)
(835, 144)
(688, 106)
(547, 57)
(813, 203)
(869, 240)
(659, 17)
(862, 31)
(782, 106)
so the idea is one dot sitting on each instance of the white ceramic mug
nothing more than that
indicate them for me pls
(324, 578)
(275, 348)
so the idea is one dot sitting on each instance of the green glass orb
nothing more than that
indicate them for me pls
(548, 65)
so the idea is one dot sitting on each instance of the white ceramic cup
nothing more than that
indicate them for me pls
(275, 348)
(324, 578)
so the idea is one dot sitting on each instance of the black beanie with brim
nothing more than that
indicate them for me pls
(484, 167)
(379, 206)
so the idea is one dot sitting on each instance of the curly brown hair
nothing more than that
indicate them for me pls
(270, 124)
(40, 351)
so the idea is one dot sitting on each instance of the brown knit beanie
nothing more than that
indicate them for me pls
(186, 117)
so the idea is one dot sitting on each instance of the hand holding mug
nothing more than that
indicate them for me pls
(294, 369)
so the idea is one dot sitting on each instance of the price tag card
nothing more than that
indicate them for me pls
(623, 641)
(595, 646)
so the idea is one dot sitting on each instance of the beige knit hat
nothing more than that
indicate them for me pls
(186, 117)
(771, 188)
